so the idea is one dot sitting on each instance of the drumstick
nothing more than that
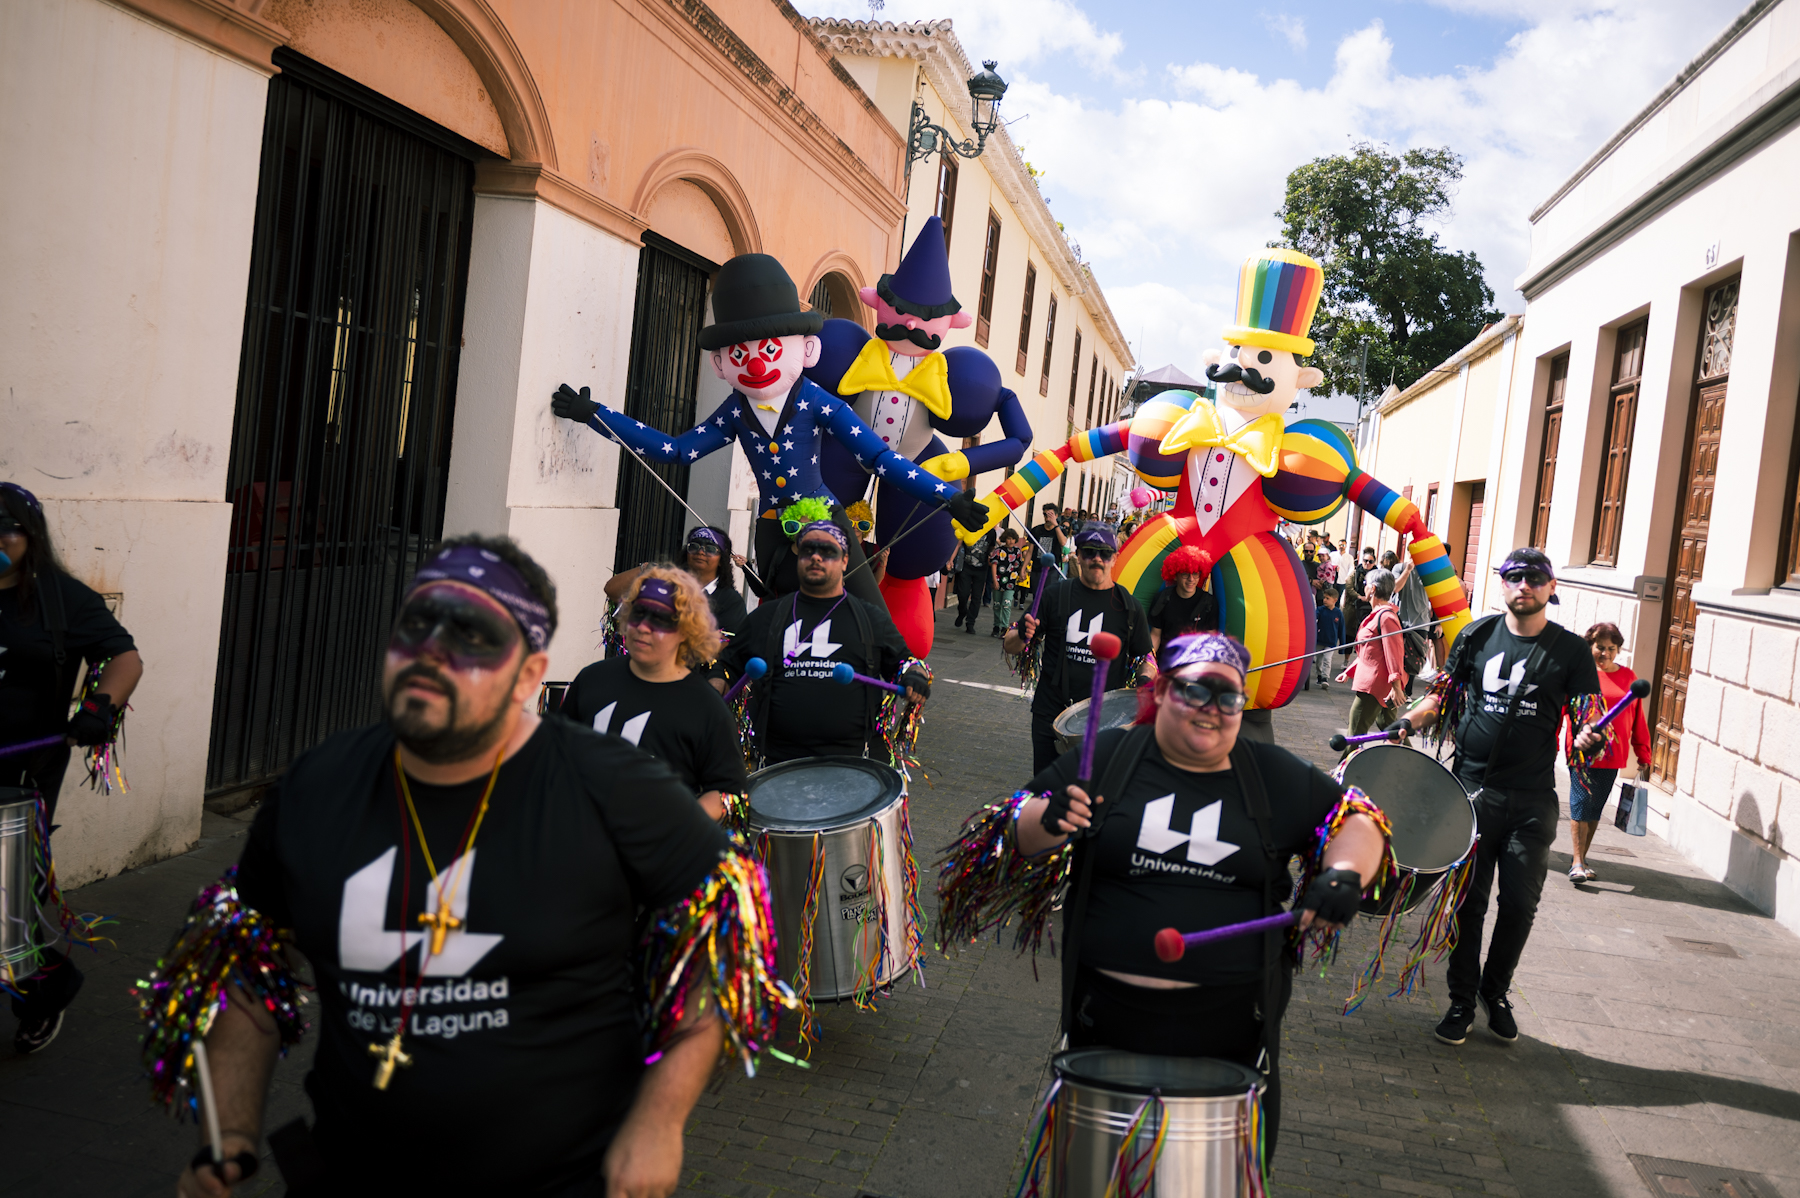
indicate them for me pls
(208, 1105)
(1106, 646)
(1170, 944)
(843, 673)
(28, 745)
(755, 668)
(1340, 743)
(1639, 688)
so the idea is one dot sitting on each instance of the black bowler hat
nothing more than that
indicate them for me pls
(753, 297)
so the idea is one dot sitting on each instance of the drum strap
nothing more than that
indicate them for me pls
(1256, 802)
(1113, 782)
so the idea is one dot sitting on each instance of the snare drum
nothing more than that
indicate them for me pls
(832, 832)
(19, 946)
(1433, 818)
(1118, 709)
(1205, 1103)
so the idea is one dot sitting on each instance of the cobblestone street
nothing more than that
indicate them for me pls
(1658, 1015)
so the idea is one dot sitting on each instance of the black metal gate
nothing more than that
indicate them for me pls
(661, 388)
(341, 441)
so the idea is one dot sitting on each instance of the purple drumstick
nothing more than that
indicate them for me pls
(1106, 646)
(844, 674)
(1639, 688)
(755, 668)
(27, 746)
(1170, 944)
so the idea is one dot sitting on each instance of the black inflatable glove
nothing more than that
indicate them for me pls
(1333, 896)
(918, 684)
(570, 406)
(969, 511)
(93, 724)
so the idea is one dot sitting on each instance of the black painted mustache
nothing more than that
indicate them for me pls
(1250, 376)
(899, 332)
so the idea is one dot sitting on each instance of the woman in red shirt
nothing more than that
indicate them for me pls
(1586, 806)
(1377, 676)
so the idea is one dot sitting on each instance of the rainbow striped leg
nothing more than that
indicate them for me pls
(1442, 587)
(1044, 468)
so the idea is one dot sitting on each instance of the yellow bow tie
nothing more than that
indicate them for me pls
(929, 382)
(1259, 441)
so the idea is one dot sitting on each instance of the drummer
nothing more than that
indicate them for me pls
(798, 709)
(1179, 845)
(656, 697)
(1073, 610)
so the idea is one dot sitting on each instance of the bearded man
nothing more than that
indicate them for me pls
(466, 881)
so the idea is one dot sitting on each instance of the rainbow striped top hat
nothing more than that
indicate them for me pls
(1278, 292)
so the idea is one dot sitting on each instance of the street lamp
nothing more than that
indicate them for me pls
(985, 91)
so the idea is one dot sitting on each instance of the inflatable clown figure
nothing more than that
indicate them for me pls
(1237, 472)
(914, 395)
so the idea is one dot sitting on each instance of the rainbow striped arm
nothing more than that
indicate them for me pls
(1442, 587)
(1044, 468)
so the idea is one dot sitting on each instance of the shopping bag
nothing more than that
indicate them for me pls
(1633, 815)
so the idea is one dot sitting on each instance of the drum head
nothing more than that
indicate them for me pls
(1137, 1073)
(1433, 820)
(816, 794)
(1117, 710)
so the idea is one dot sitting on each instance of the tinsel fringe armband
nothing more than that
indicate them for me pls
(984, 880)
(899, 721)
(717, 948)
(1586, 710)
(102, 760)
(222, 942)
(1354, 802)
(1452, 703)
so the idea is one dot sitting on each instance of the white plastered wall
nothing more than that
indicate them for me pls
(125, 247)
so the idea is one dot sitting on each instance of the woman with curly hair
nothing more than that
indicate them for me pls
(1183, 605)
(708, 557)
(658, 697)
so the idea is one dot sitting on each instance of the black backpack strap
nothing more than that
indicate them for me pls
(762, 701)
(1256, 802)
(1115, 777)
(56, 617)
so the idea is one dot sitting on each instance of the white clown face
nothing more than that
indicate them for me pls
(765, 370)
(1265, 366)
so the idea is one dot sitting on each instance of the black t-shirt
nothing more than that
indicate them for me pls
(34, 695)
(1045, 551)
(1176, 616)
(1071, 613)
(683, 723)
(799, 710)
(1527, 759)
(525, 1037)
(727, 607)
(1180, 850)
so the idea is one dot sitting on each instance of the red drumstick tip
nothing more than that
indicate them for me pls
(1169, 944)
(1105, 645)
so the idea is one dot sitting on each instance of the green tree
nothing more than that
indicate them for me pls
(1362, 215)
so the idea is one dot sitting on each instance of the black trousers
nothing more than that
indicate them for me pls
(1517, 828)
(1043, 743)
(968, 595)
(1223, 1022)
(55, 984)
(781, 569)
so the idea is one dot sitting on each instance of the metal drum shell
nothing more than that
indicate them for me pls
(1424, 803)
(18, 900)
(1202, 1153)
(787, 855)
(1118, 709)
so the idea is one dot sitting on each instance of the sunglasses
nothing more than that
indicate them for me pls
(863, 527)
(703, 549)
(11, 527)
(1199, 695)
(1530, 578)
(1094, 555)
(651, 618)
(825, 551)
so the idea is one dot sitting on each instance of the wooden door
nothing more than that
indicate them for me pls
(1687, 562)
(1472, 533)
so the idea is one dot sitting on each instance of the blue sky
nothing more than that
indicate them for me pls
(1167, 130)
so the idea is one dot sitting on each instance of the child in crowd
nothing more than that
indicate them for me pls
(1008, 566)
(1331, 634)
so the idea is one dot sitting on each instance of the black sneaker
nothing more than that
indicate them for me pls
(1455, 1027)
(1500, 1018)
(35, 1035)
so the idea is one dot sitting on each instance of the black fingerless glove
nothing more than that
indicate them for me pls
(1058, 809)
(571, 406)
(915, 681)
(1334, 896)
(93, 724)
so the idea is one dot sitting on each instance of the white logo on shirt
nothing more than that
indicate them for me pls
(366, 944)
(633, 730)
(1074, 634)
(1492, 682)
(820, 644)
(1202, 837)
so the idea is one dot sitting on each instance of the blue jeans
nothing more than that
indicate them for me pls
(1517, 828)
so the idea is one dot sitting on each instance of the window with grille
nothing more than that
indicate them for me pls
(1621, 417)
(1049, 346)
(946, 193)
(1074, 380)
(1431, 494)
(1093, 382)
(1025, 316)
(990, 270)
(1552, 435)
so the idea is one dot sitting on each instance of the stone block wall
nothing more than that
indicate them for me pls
(1738, 777)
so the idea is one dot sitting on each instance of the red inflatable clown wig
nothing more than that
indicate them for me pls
(1187, 560)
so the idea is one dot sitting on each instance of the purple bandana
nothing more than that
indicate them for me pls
(1201, 647)
(657, 593)
(828, 528)
(1096, 536)
(489, 572)
(707, 536)
(31, 501)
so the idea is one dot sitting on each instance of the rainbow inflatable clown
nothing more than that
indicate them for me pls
(1237, 471)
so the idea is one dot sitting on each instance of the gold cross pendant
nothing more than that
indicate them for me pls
(441, 923)
(391, 1056)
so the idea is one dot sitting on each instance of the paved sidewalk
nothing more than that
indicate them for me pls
(1631, 1042)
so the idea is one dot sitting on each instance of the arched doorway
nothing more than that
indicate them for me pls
(835, 295)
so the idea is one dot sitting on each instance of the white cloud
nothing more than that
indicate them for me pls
(1291, 29)
(1014, 32)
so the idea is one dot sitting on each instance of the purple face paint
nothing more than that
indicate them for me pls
(463, 629)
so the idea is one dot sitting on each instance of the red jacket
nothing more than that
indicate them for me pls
(1628, 725)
